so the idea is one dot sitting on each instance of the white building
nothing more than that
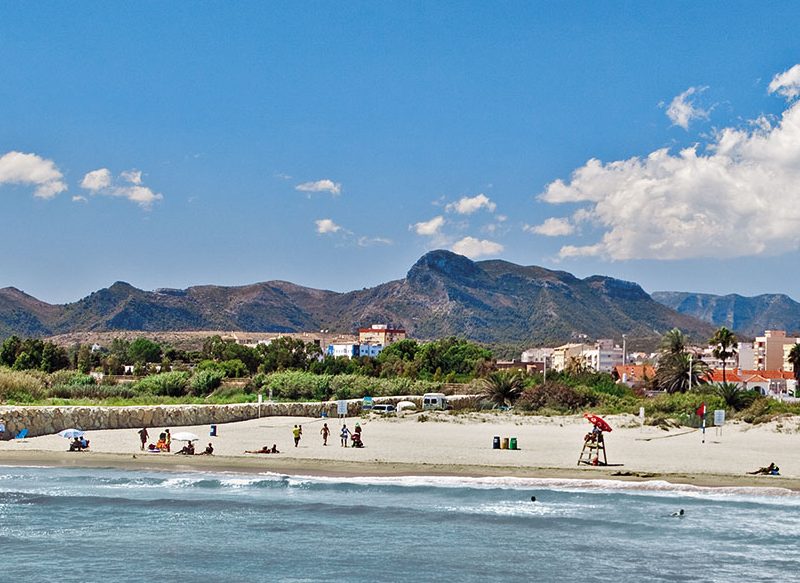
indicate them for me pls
(603, 357)
(538, 355)
(350, 350)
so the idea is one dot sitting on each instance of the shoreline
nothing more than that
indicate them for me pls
(377, 469)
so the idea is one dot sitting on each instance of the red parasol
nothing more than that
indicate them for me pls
(597, 421)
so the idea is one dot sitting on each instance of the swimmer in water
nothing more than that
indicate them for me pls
(679, 514)
(533, 498)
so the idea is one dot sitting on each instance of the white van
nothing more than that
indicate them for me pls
(434, 401)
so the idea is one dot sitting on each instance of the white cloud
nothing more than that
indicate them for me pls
(97, 179)
(787, 83)
(429, 228)
(325, 226)
(324, 185)
(467, 205)
(472, 247)
(32, 170)
(79, 198)
(682, 109)
(738, 197)
(552, 227)
(101, 182)
(132, 176)
(372, 241)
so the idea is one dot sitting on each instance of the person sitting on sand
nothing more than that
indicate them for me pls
(187, 449)
(770, 470)
(75, 445)
(84, 442)
(208, 451)
(161, 444)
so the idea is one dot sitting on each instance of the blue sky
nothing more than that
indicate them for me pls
(331, 145)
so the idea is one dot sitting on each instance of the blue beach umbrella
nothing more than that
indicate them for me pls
(71, 433)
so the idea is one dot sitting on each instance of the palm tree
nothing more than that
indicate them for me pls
(673, 342)
(502, 387)
(677, 373)
(724, 343)
(735, 396)
(794, 359)
(677, 369)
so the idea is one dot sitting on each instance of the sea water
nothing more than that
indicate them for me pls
(112, 525)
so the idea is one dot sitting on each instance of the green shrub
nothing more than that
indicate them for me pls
(20, 386)
(98, 392)
(557, 396)
(169, 384)
(205, 382)
(70, 377)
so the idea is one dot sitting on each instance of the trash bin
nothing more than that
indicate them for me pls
(512, 443)
(504, 443)
(496, 442)
(213, 432)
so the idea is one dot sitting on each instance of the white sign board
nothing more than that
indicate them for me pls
(341, 407)
(260, 398)
(719, 417)
(641, 414)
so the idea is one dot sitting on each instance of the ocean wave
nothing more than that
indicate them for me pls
(228, 481)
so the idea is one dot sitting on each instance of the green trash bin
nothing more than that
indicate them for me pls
(512, 443)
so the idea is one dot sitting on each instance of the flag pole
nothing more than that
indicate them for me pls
(704, 422)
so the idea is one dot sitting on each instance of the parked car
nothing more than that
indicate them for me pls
(382, 409)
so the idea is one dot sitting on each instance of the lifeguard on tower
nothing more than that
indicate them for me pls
(593, 443)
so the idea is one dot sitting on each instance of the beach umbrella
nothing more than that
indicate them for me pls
(71, 433)
(597, 421)
(184, 436)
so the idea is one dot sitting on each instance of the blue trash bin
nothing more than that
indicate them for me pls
(213, 432)
(496, 442)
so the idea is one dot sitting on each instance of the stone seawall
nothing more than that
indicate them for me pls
(48, 420)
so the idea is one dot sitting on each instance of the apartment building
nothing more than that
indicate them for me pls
(380, 334)
(768, 350)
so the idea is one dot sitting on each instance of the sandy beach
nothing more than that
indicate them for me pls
(448, 444)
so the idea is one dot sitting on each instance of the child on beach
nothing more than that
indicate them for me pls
(168, 439)
(344, 435)
(325, 433)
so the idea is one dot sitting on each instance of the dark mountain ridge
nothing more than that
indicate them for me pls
(749, 316)
(442, 294)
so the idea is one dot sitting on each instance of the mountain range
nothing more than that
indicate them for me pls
(749, 316)
(442, 294)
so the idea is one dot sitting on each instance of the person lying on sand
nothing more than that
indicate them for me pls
(770, 470)
(265, 449)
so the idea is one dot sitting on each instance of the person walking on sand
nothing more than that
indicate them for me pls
(143, 435)
(344, 435)
(168, 440)
(296, 432)
(325, 432)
